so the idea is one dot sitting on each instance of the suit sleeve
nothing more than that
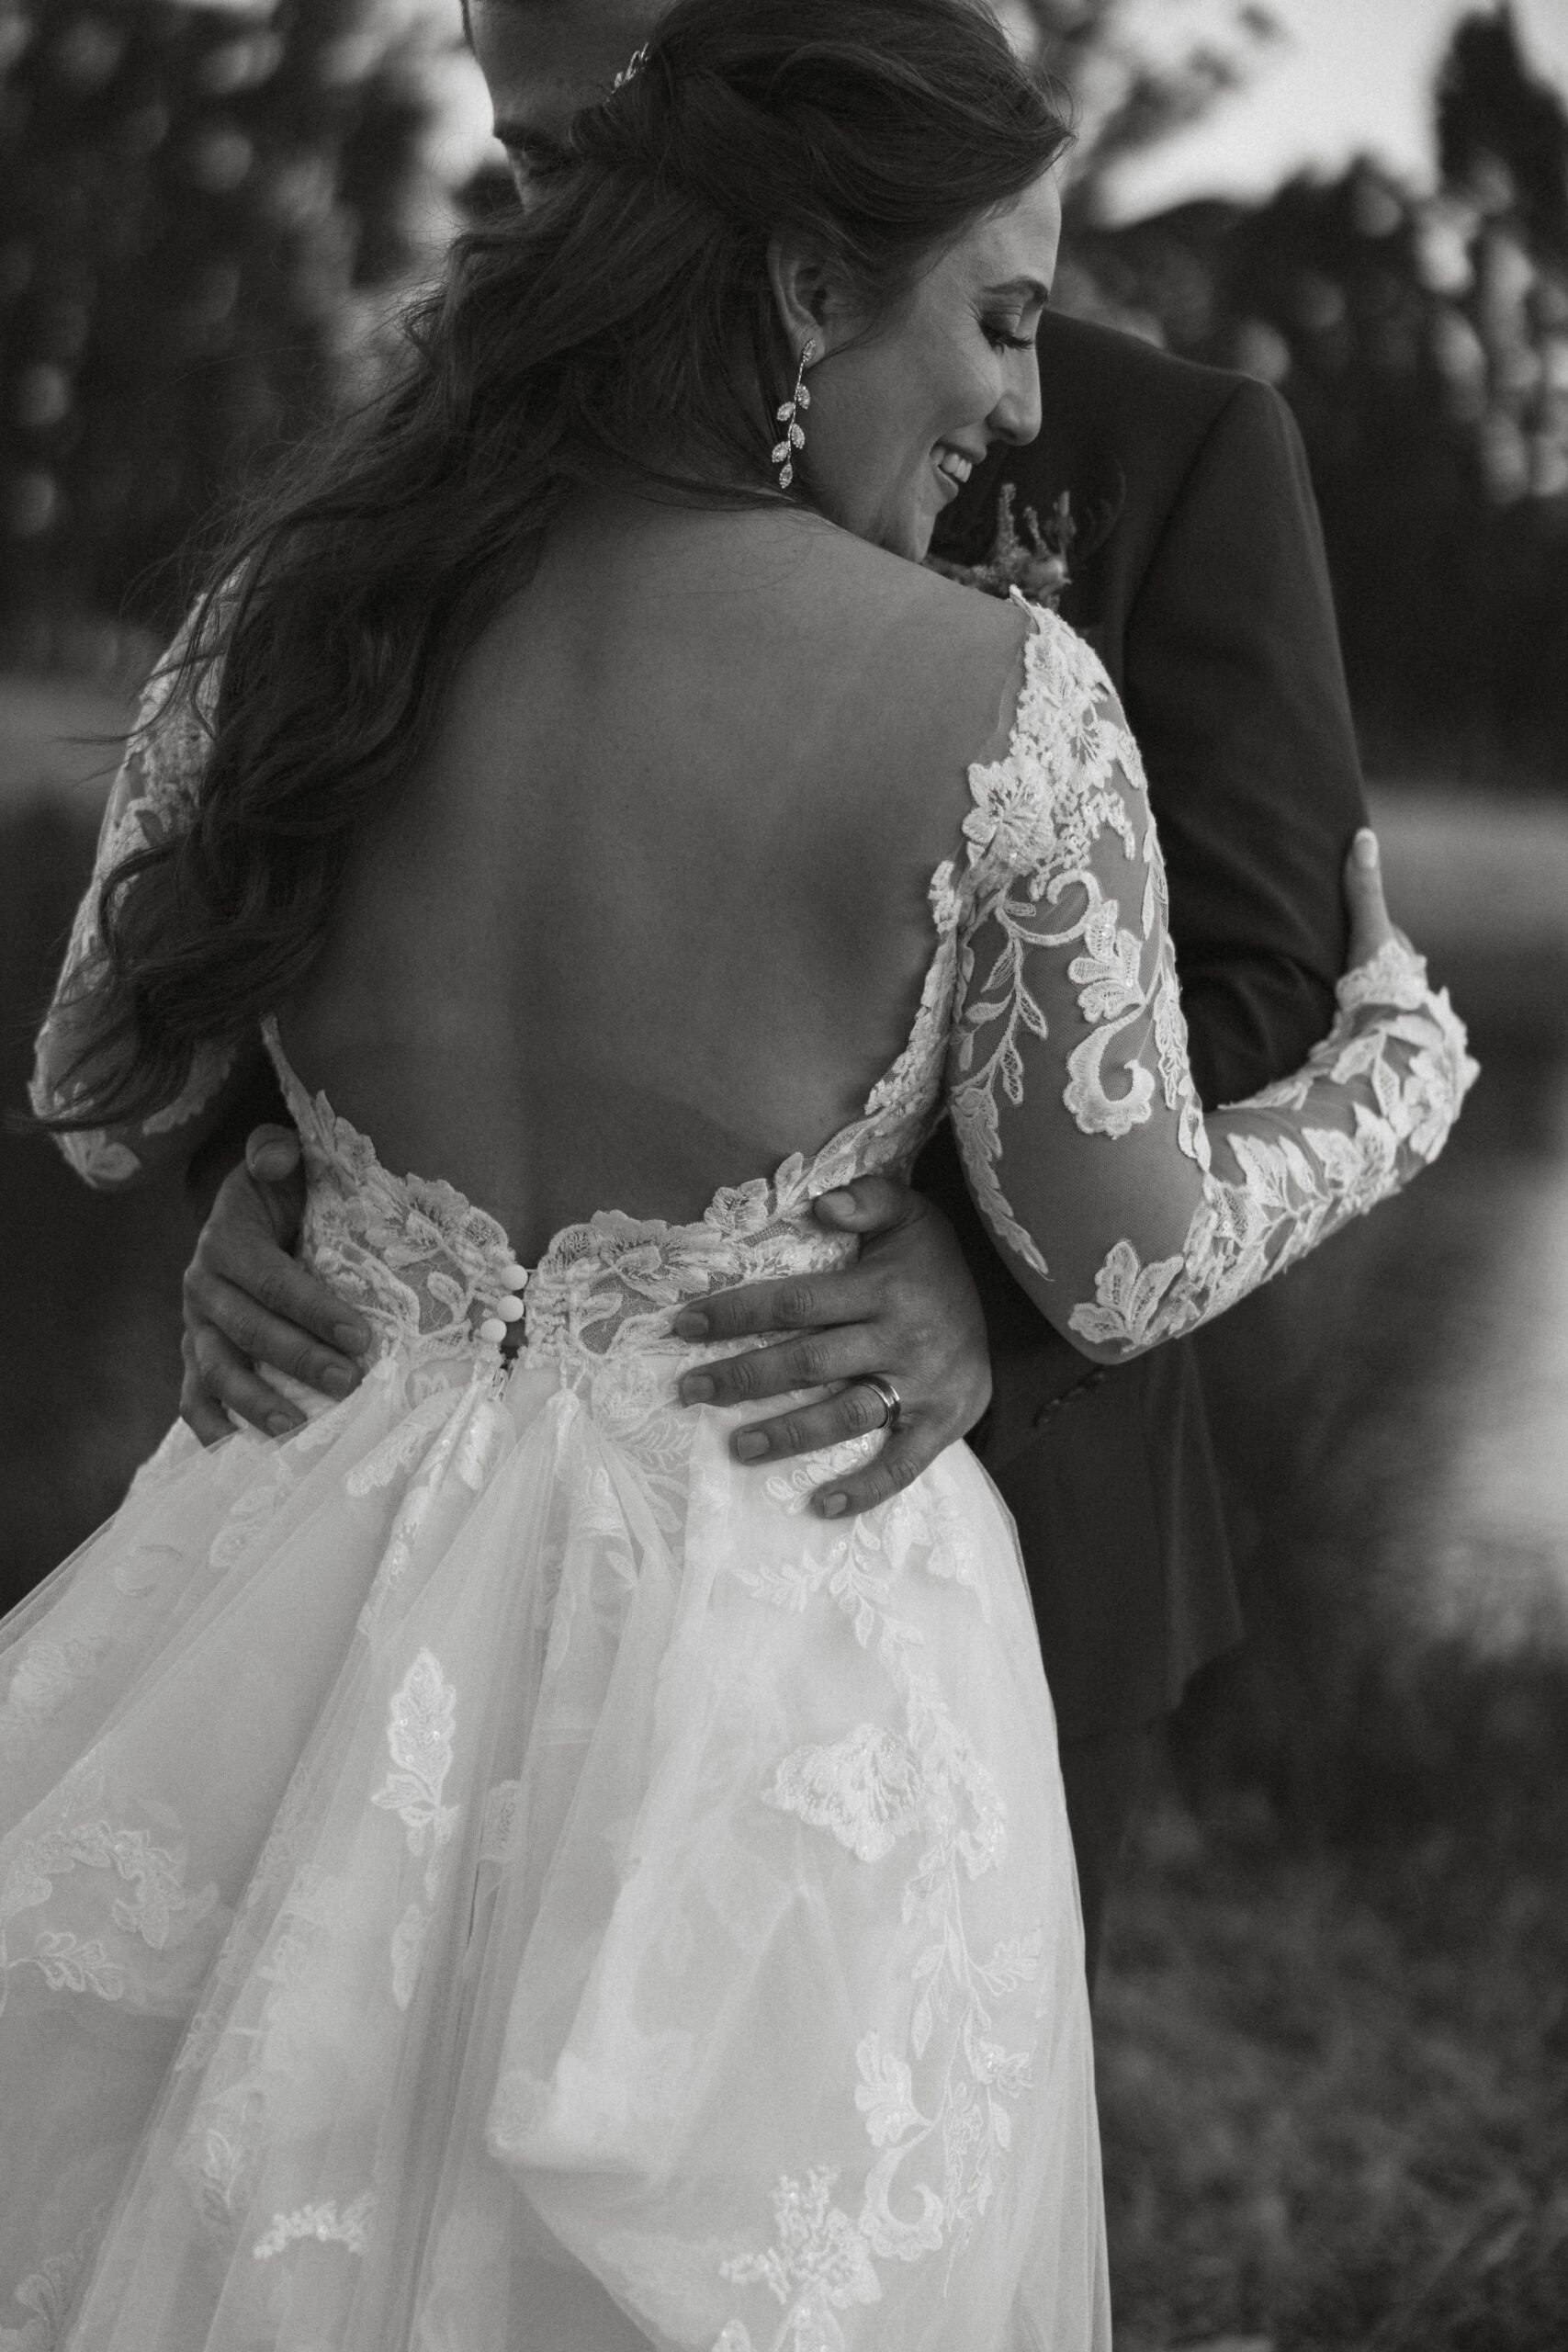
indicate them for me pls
(1235, 690)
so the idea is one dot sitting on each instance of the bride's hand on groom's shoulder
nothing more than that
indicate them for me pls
(247, 1303)
(907, 1310)
(1370, 927)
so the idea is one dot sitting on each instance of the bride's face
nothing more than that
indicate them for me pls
(901, 410)
(901, 413)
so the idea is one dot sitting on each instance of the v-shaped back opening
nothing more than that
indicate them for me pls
(897, 1112)
(899, 1103)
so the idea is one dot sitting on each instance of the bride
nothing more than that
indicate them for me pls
(482, 1872)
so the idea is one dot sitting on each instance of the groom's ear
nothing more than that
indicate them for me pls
(810, 295)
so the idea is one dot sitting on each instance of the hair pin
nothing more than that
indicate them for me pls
(630, 70)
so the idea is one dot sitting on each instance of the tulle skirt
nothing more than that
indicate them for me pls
(491, 1875)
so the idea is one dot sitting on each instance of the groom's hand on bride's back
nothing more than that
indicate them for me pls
(247, 1303)
(907, 1310)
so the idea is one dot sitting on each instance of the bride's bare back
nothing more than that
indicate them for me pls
(651, 914)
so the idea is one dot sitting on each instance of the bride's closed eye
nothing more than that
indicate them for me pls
(1002, 338)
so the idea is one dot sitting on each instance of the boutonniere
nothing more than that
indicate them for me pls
(1034, 562)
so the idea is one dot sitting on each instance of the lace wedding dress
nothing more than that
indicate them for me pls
(492, 1872)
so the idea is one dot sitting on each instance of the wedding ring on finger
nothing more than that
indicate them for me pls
(891, 1403)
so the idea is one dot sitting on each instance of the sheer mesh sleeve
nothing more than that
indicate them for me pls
(153, 796)
(1127, 1216)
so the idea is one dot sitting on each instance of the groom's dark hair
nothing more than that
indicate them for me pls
(623, 321)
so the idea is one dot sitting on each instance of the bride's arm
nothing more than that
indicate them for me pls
(153, 797)
(1126, 1215)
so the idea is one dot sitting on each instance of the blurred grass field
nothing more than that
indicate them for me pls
(1334, 2086)
(1333, 2027)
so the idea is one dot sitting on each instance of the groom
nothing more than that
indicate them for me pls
(1198, 574)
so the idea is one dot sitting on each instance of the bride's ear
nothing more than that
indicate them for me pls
(807, 296)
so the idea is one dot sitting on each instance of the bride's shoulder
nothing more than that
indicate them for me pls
(921, 642)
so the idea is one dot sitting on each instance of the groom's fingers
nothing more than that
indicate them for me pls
(837, 1351)
(219, 1382)
(246, 1301)
(870, 1205)
(905, 1311)
(217, 1310)
(791, 1303)
(907, 1453)
(1370, 927)
(198, 1407)
(852, 1412)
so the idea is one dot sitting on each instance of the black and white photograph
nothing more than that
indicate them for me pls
(784, 1180)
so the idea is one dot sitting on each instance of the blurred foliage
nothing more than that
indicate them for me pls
(1422, 341)
(204, 208)
(1134, 75)
(199, 206)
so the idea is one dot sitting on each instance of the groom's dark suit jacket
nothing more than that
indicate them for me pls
(1199, 580)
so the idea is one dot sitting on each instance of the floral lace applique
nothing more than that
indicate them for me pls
(869, 1791)
(153, 797)
(865, 1788)
(422, 1264)
(1297, 1189)
(820, 2261)
(420, 1731)
(421, 1735)
(1061, 837)
(321, 2223)
(154, 1902)
(49, 2291)
(47, 1674)
(246, 2059)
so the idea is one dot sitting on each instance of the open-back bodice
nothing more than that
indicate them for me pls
(431, 1270)
(1050, 1026)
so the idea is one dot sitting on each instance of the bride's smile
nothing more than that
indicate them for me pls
(904, 407)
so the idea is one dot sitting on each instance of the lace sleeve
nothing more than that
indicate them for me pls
(1126, 1215)
(153, 796)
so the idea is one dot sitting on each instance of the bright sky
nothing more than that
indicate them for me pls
(1350, 74)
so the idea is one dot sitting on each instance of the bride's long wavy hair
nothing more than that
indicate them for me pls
(620, 321)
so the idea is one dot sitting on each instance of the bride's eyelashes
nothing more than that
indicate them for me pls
(1002, 338)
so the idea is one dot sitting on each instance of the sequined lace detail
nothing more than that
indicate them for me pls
(153, 797)
(1068, 1002)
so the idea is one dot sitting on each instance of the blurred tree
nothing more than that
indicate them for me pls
(1422, 340)
(1135, 74)
(1494, 117)
(1135, 77)
(199, 205)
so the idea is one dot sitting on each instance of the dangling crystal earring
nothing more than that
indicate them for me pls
(795, 434)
